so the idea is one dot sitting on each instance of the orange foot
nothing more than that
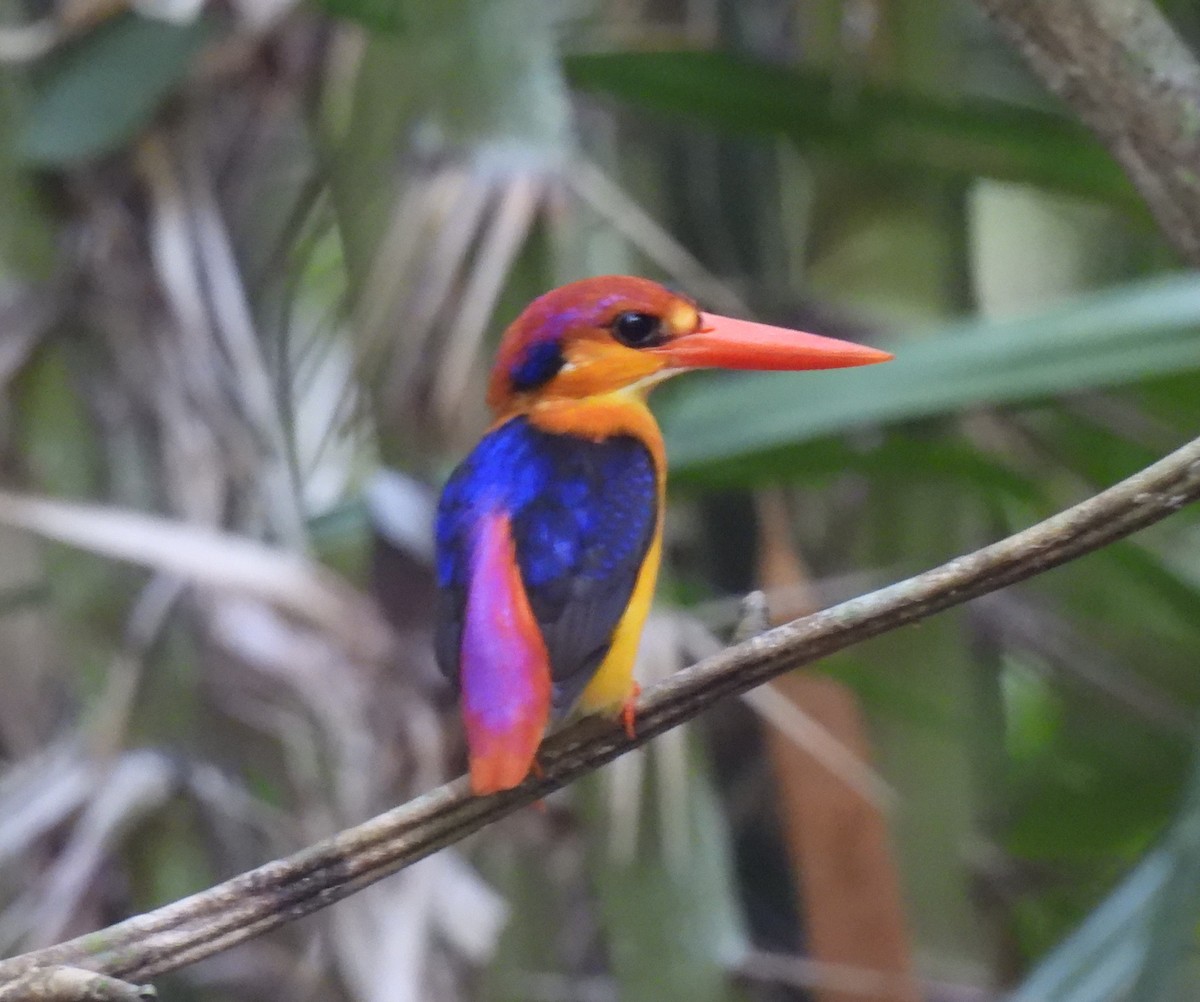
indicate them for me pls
(629, 711)
(536, 770)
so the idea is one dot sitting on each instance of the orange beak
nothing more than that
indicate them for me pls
(725, 343)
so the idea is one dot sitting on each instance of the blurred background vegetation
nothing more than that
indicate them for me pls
(253, 256)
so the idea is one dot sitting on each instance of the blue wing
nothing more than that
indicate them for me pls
(583, 515)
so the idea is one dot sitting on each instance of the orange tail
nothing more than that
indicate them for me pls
(505, 671)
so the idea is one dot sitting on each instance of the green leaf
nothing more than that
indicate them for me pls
(26, 234)
(1172, 922)
(1109, 339)
(1130, 947)
(905, 456)
(1096, 963)
(671, 917)
(106, 87)
(876, 125)
(384, 17)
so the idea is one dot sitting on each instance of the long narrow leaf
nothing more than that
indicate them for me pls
(107, 86)
(873, 124)
(1130, 947)
(1111, 339)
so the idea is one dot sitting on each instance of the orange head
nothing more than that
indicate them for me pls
(616, 332)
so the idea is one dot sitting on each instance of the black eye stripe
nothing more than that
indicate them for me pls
(637, 329)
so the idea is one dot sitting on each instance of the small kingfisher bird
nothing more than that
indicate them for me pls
(549, 533)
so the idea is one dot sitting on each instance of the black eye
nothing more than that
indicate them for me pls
(638, 330)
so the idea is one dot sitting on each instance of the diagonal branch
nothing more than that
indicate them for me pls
(1123, 70)
(289, 888)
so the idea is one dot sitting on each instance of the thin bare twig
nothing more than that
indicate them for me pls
(846, 979)
(69, 984)
(286, 889)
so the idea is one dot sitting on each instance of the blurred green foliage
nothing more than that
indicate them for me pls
(104, 88)
(963, 137)
(884, 171)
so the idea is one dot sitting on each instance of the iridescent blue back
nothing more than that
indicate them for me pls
(583, 515)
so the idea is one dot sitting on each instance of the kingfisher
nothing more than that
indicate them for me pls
(549, 533)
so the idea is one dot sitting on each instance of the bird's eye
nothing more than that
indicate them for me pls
(638, 330)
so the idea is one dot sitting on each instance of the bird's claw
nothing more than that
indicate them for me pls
(629, 712)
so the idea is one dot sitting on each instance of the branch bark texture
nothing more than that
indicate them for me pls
(1123, 70)
(286, 889)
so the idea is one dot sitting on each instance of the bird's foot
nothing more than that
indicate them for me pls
(537, 772)
(629, 712)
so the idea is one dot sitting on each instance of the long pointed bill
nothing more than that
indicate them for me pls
(725, 343)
